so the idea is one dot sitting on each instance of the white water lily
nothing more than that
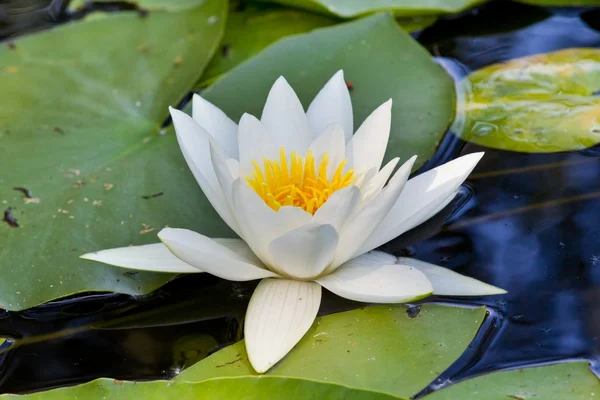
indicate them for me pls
(309, 201)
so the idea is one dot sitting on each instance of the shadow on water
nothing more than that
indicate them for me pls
(525, 222)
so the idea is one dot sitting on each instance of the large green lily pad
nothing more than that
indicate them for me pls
(539, 104)
(376, 348)
(79, 127)
(380, 62)
(247, 388)
(252, 29)
(404, 8)
(566, 381)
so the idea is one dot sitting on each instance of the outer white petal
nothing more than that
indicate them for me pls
(332, 104)
(304, 252)
(194, 143)
(217, 124)
(449, 283)
(373, 187)
(255, 144)
(423, 194)
(369, 217)
(259, 223)
(388, 283)
(149, 257)
(279, 314)
(212, 257)
(367, 147)
(333, 143)
(339, 208)
(285, 120)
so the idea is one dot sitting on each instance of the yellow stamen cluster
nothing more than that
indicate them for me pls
(298, 183)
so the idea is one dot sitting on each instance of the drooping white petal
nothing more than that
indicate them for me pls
(149, 257)
(194, 143)
(306, 251)
(370, 216)
(339, 207)
(446, 282)
(387, 283)
(367, 147)
(217, 124)
(215, 258)
(285, 120)
(332, 104)
(255, 144)
(279, 314)
(331, 142)
(259, 223)
(373, 187)
(425, 192)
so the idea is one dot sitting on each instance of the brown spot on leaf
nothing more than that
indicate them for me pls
(58, 130)
(225, 50)
(349, 85)
(11, 45)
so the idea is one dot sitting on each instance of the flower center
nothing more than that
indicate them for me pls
(297, 182)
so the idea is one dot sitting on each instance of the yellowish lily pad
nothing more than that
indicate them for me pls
(540, 104)
(247, 388)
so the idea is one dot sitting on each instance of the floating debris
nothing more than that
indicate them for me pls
(146, 229)
(108, 186)
(9, 218)
(152, 196)
(26, 192)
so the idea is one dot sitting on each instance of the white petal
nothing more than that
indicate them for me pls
(370, 216)
(373, 187)
(279, 314)
(332, 104)
(215, 258)
(217, 124)
(306, 251)
(332, 143)
(255, 144)
(423, 194)
(285, 120)
(149, 257)
(194, 143)
(446, 282)
(226, 171)
(259, 223)
(387, 283)
(339, 207)
(367, 147)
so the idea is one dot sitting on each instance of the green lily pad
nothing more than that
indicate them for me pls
(251, 30)
(247, 388)
(400, 8)
(539, 104)
(80, 120)
(566, 381)
(380, 62)
(376, 348)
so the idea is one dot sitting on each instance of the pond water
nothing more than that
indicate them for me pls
(528, 223)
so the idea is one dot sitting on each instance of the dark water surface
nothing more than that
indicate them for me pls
(529, 223)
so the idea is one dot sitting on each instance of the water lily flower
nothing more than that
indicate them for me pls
(309, 202)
